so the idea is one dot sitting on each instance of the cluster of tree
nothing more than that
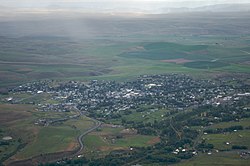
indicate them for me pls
(221, 130)
(19, 147)
(166, 159)
(175, 132)
(143, 155)
(113, 159)
(239, 147)
(146, 131)
(4, 143)
(198, 121)
(226, 113)
(205, 146)
(67, 162)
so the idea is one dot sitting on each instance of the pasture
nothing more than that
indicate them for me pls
(205, 64)
(55, 138)
(26, 59)
(49, 140)
(114, 48)
(147, 115)
(221, 158)
(234, 138)
(165, 51)
(29, 139)
(106, 139)
(240, 137)
(13, 118)
(243, 122)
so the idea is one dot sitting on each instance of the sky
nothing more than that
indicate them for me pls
(150, 6)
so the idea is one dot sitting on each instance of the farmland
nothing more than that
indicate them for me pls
(156, 83)
(225, 141)
(224, 158)
(108, 139)
(18, 121)
(197, 119)
(106, 55)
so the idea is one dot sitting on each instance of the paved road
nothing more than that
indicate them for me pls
(30, 161)
(79, 139)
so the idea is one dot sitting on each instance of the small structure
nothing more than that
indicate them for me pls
(7, 138)
(9, 99)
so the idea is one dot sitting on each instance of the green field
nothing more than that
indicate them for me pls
(165, 50)
(243, 122)
(240, 137)
(134, 141)
(15, 122)
(113, 60)
(108, 139)
(49, 140)
(29, 139)
(205, 65)
(219, 141)
(235, 138)
(206, 45)
(56, 138)
(148, 115)
(222, 159)
(94, 142)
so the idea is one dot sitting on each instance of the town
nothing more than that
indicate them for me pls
(109, 98)
(192, 104)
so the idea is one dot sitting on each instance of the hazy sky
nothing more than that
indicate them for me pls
(149, 6)
(43, 3)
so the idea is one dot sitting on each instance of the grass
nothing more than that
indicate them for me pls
(14, 122)
(108, 60)
(205, 64)
(96, 142)
(13, 113)
(80, 124)
(166, 50)
(242, 122)
(235, 68)
(136, 140)
(18, 121)
(101, 142)
(235, 138)
(43, 98)
(241, 137)
(111, 131)
(48, 140)
(62, 58)
(56, 138)
(220, 159)
(93, 142)
(145, 116)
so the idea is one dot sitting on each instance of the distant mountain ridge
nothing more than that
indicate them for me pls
(210, 8)
(133, 9)
(225, 8)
